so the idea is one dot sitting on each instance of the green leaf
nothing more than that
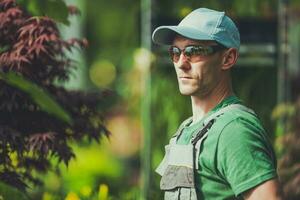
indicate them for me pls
(3, 48)
(34, 7)
(55, 9)
(42, 98)
(8, 192)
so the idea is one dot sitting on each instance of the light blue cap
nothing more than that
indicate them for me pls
(201, 24)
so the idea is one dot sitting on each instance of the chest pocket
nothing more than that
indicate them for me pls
(178, 176)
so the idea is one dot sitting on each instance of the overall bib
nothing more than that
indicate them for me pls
(181, 161)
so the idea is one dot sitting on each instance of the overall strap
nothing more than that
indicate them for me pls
(179, 130)
(228, 108)
(208, 123)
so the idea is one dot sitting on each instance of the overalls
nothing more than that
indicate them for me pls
(181, 161)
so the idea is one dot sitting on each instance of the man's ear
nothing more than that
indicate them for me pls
(230, 58)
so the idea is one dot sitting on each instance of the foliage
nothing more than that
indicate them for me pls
(9, 192)
(55, 9)
(39, 96)
(95, 165)
(32, 47)
(288, 146)
(236, 8)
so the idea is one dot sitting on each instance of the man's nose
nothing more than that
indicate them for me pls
(183, 62)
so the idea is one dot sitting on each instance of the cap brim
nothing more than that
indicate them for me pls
(164, 35)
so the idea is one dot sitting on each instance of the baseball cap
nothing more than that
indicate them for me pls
(201, 24)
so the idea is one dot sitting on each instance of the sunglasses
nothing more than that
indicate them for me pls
(193, 53)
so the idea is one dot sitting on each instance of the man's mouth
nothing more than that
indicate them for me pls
(185, 77)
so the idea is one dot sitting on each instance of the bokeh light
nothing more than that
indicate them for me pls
(102, 73)
(142, 58)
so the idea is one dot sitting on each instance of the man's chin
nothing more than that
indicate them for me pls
(186, 92)
(190, 92)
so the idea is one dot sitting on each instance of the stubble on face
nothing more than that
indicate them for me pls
(200, 78)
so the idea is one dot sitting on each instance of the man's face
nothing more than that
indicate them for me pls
(201, 77)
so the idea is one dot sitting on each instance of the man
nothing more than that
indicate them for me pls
(222, 151)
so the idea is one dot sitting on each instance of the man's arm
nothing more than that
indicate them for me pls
(269, 190)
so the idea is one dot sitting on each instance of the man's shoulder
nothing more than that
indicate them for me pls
(244, 152)
(238, 124)
(239, 116)
(240, 128)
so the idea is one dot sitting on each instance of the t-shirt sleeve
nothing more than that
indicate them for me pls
(246, 158)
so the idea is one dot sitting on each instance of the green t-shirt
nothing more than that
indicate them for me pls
(235, 156)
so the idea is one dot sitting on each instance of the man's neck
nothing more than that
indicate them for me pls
(202, 105)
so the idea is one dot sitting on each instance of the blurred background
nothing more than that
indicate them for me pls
(144, 108)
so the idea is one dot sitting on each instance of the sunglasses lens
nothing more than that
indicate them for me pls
(174, 53)
(192, 53)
